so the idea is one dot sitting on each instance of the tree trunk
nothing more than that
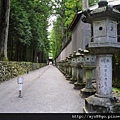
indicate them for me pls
(7, 27)
(17, 52)
(10, 50)
(4, 23)
(24, 56)
(34, 56)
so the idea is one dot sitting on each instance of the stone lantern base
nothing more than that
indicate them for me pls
(85, 92)
(62, 69)
(68, 77)
(79, 86)
(89, 89)
(73, 80)
(64, 72)
(95, 104)
(74, 74)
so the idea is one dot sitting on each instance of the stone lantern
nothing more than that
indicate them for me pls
(80, 60)
(66, 66)
(63, 66)
(74, 70)
(69, 67)
(58, 65)
(89, 66)
(104, 21)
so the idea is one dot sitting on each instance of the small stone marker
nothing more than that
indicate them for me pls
(20, 82)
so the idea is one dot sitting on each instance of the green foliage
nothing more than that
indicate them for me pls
(116, 69)
(28, 29)
(65, 10)
(93, 2)
(71, 8)
(28, 36)
(56, 38)
(5, 59)
(10, 69)
(20, 25)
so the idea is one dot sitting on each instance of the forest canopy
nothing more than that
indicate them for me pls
(27, 36)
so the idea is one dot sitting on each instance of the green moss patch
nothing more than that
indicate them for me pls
(117, 90)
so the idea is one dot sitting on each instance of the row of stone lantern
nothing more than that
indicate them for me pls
(104, 20)
(78, 66)
(74, 70)
(74, 67)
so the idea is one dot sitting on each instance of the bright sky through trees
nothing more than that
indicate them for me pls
(52, 18)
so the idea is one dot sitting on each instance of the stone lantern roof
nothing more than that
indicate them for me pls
(115, 4)
(74, 53)
(86, 52)
(105, 11)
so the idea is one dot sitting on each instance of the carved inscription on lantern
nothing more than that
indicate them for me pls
(105, 75)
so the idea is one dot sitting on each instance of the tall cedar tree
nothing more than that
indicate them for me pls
(4, 26)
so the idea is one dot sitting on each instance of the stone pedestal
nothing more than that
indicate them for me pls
(69, 68)
(104, 76)
(88, 66)
(74, 69)
(63, 66)
(79, 84)
(102, 101)
(60, 66)
(74, 74)
(88, 90)
(70, 73)
(80, 60)
(95, 104)
(66, 67)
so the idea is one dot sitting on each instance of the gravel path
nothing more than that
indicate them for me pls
(44, 91)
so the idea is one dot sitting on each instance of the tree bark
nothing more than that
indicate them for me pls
(7, 28)
(4, 23)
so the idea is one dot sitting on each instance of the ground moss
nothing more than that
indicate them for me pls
(115, 89)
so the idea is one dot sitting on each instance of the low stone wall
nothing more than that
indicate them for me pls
(11, 69)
